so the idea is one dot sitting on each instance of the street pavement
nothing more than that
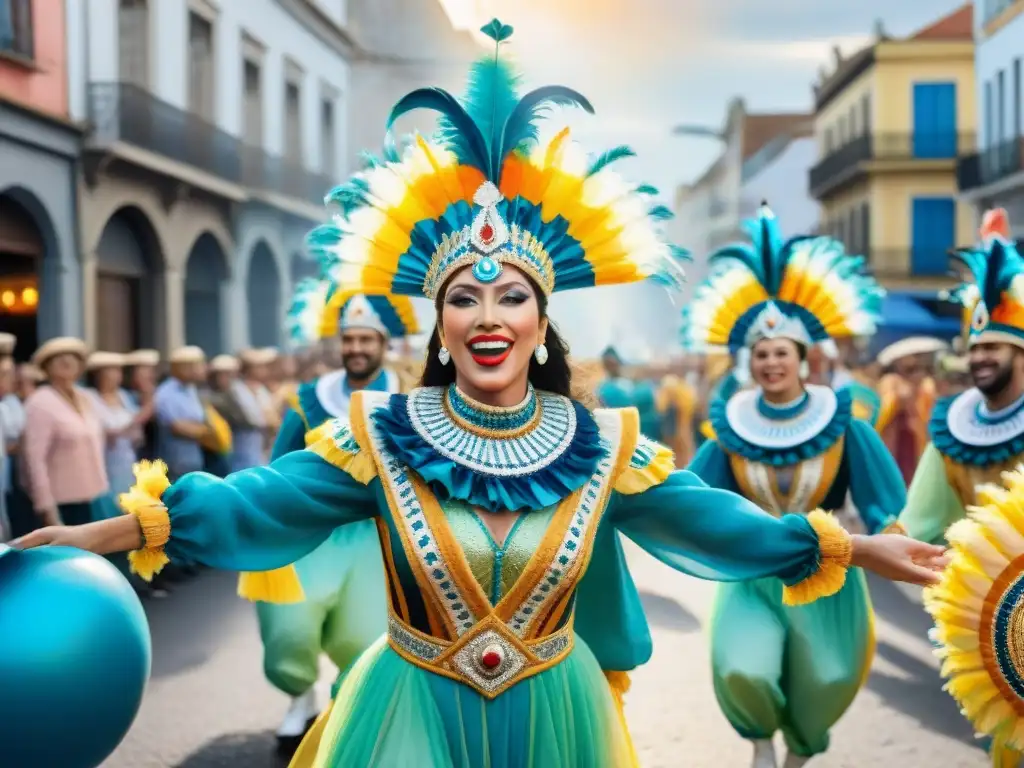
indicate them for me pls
(208, 705)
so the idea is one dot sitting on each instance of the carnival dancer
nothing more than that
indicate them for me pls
(345, 606)
(790, 447)
(907, 391)
(489, 484)
(977, 435)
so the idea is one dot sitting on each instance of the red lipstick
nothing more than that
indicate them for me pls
(495, 351)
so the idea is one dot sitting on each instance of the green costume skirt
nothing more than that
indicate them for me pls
(790, 669)
(392, 714)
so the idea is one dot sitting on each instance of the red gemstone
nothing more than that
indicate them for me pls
(487, 233)
(491, 658)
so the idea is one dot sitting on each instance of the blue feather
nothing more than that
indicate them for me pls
(647, 189)
(520, 130)
(460, 134)
(660, 213)
(497, 31)
(605, 159)
(492, 93)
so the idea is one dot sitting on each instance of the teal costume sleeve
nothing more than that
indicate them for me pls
(877, 487)
(711, 464)
(291, 437)
(932, 504)
(263, 518)
(714, 534)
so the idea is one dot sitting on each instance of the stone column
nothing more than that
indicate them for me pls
(90, 262)
(174, 307)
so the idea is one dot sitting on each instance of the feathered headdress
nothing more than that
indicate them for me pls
(994, 302)
(807, 289)
(484, 193)
(320, 311)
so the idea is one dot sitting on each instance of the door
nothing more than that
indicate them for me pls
(934, 120)
(933, 229)
(117, 318)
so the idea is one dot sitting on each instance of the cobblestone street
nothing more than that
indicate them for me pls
(209, 706)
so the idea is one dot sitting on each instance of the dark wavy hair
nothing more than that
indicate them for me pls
(554, 376)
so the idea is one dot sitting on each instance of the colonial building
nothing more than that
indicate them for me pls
(40, 279)
(890, 121)
(994, 175)
(217, 126)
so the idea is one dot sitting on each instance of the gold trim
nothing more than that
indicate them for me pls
(444, 658)
(493, 434)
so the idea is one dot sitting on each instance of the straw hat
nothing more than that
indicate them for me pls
(185, 355)
(914, 345)
(62, 345)
(7, 343)
(224, 364)
(264, 356)
(105, 360)
(148, 357)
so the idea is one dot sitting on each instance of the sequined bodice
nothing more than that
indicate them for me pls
(495, 567)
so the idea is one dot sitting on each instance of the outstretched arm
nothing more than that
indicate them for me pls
(876, 485)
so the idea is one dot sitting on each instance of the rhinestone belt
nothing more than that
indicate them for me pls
(489, 658)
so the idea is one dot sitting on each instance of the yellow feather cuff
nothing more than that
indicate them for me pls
(143, 501)
(335, 443)
(835, 549)
(281, 585)
(635, 480)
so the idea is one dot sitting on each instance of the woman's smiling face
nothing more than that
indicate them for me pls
(491, 331)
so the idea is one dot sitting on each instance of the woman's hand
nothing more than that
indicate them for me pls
(118, 534)
(899, 558)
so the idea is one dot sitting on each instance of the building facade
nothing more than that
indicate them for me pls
(216, 128)
(40, 273)
(994, 174)
(890, 122)
(774, 175)
(710, 211)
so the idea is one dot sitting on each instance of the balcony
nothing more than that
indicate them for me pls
(122, 113)
(979, 169)
(902, 267)
(847, 163)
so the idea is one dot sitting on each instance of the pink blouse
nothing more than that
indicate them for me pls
(62, 450)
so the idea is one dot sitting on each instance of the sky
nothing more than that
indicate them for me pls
(648, 65)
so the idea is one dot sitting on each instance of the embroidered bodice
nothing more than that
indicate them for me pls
(786, 458)
(977, 445)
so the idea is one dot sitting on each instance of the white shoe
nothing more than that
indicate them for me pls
(764, 754)
(302, 710)
(795, 761)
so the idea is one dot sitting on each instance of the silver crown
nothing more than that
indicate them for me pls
(772, 323)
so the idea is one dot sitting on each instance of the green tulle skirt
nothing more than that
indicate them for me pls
(392, 714)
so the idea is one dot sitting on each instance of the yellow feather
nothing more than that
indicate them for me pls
(968, 536)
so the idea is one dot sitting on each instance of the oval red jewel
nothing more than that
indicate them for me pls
(487, 233)
(491, 659)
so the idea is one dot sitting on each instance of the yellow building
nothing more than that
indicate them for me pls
(890, 122)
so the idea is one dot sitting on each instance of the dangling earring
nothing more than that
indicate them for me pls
(805, 370)
(541, 353)
(444, 355)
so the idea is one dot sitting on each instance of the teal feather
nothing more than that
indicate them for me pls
(459, 133)
(605, 159)
(497, 31)
(661, 213)
(520, 131)
(679, 253)
(647, 189)
(491, 95)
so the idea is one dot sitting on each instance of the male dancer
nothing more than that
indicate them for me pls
(978, 434)
(341, 614)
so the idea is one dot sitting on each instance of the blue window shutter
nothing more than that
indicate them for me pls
(933, 233)
(935, 120)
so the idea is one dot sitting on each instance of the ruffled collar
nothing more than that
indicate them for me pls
(963, 429)
(781, 435)
(328, 396)
(523, 457)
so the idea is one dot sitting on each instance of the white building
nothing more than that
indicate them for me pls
(777, 173)
(216, 128)
(710, 210)
(995, 174)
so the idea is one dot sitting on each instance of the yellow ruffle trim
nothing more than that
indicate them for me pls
(358, 464)
(708, 431)
(143, 501)
(279, 586)
(619, 683)
(835, 549)
(895, 527)
(633, 481)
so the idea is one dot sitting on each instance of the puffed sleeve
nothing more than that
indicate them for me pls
(878, 490)
(711, 464)
(259, 519)
(719, 535)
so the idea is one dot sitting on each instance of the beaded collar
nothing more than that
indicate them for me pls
(525, 456)
(781, 435)
(963, 429)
